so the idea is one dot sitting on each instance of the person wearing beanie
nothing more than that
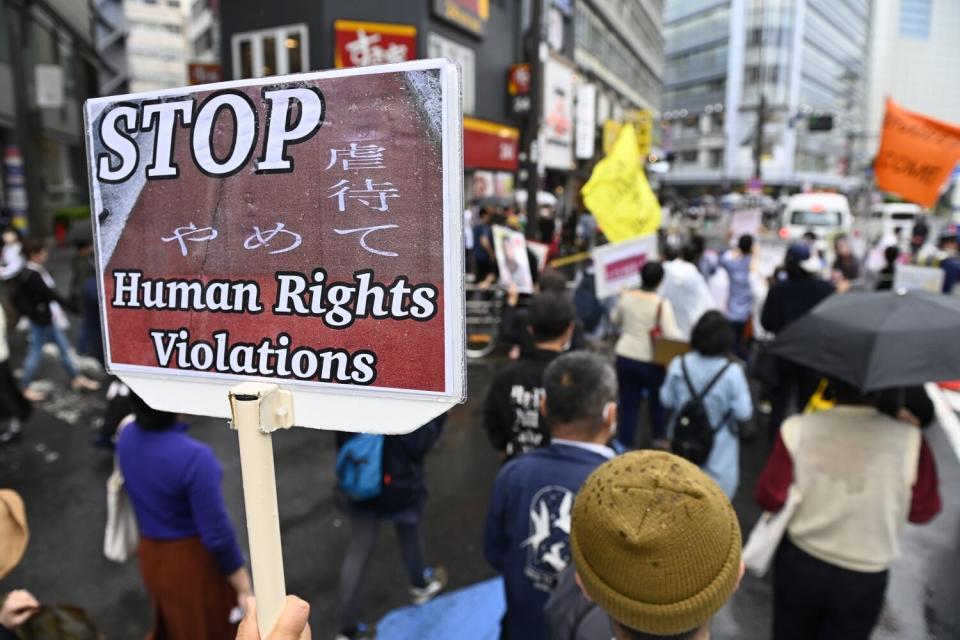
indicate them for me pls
(528, 523)
(656, 547)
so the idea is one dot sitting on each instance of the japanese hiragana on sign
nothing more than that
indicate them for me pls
(302, 230)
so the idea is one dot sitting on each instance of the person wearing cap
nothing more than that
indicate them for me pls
(787, 301)
(656, 553)
(18, 605)
(527, 531)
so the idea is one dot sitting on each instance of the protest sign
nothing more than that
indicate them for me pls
(916, 154)
(618, 194)
(769, 255)
(912, 278)
(617, 266)
(541, 251)
(511, 249)
(302, 230)
(745, 222)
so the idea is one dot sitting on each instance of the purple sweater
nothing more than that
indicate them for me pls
(174, 484)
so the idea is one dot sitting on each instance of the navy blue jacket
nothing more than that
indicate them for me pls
(527, 536)
(403, 481)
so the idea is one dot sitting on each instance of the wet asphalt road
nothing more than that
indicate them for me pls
(61, 478)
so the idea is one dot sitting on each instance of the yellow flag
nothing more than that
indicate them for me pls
(618, 194)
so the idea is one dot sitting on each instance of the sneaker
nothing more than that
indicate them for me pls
(359, 632)
(436, 581)
(83, 383)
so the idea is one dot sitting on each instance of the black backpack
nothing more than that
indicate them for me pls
(692, 432)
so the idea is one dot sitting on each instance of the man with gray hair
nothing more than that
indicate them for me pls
(527, 536)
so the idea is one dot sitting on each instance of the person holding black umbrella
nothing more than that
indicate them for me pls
(859, 473)
(787, 301)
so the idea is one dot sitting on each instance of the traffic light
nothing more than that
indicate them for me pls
(820, 123)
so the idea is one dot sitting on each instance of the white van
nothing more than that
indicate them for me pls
(823, 214)
(885, 218)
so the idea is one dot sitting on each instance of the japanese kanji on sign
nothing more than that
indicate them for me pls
(301, 230)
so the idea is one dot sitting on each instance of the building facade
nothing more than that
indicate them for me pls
(157, 45)
(601, 60)
(803, 64)
(47, 70)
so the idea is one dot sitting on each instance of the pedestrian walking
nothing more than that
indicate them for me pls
(738, 264)
(511, 413)
(400, 500)
(656, 553)
(526, 538)
(891, 255)
(83, 275)
(861, 475)
(709, 379)
(37, 298)
(14, 407)
(950, 259)
(643, 314)
(846, 266)
(685, 288)
(787, 301)
(190, 562)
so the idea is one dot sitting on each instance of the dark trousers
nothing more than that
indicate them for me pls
(795, 386)
(635, 380)
(739, 343)
(364, 528)
(814, 600)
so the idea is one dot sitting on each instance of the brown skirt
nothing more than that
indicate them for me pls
(191, 598)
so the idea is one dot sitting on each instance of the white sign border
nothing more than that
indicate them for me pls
(453, 291)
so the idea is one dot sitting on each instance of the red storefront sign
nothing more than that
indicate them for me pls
(488, 145)
(360, 44)
(204, 73)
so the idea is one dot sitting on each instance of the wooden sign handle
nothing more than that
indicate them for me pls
(257, 410)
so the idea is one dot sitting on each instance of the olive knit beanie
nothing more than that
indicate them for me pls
(656, 543)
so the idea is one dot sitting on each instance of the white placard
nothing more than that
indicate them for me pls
(557, 115)
(617, 266)
(911, 278)
(586, 130)
(768, 256)
(745, 222)
(511, 249)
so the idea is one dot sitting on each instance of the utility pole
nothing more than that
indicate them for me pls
(532, 132)
(761, 105)
(27, 123)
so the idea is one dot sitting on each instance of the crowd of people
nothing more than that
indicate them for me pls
(604, 520)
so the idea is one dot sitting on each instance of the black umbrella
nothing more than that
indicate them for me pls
(878, 340)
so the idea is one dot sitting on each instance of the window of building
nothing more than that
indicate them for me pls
(915, 16)
(440, 47)
(715, 158)
(688, 157)
(203, 42)
(270, 52)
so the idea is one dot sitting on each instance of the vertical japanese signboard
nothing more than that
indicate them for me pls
(471, 15)
(302, 230)
(558, 115)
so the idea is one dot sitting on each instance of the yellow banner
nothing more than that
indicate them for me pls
(618, 194)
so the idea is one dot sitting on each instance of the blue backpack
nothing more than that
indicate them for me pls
(360, 466)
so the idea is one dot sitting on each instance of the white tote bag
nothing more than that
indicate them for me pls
(121, 535)
(767, 534)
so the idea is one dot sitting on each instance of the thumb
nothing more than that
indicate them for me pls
(292, 624)
(248, 629)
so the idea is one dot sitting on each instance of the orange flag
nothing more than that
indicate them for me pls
(916, 154)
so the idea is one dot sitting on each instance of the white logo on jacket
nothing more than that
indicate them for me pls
(549, 542)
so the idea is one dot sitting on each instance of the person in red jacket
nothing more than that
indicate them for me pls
(858, 473)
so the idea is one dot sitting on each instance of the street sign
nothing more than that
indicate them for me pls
(302, 230)
(204, 73)
(518, 88)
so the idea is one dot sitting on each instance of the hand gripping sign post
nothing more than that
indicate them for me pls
(300, 232)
